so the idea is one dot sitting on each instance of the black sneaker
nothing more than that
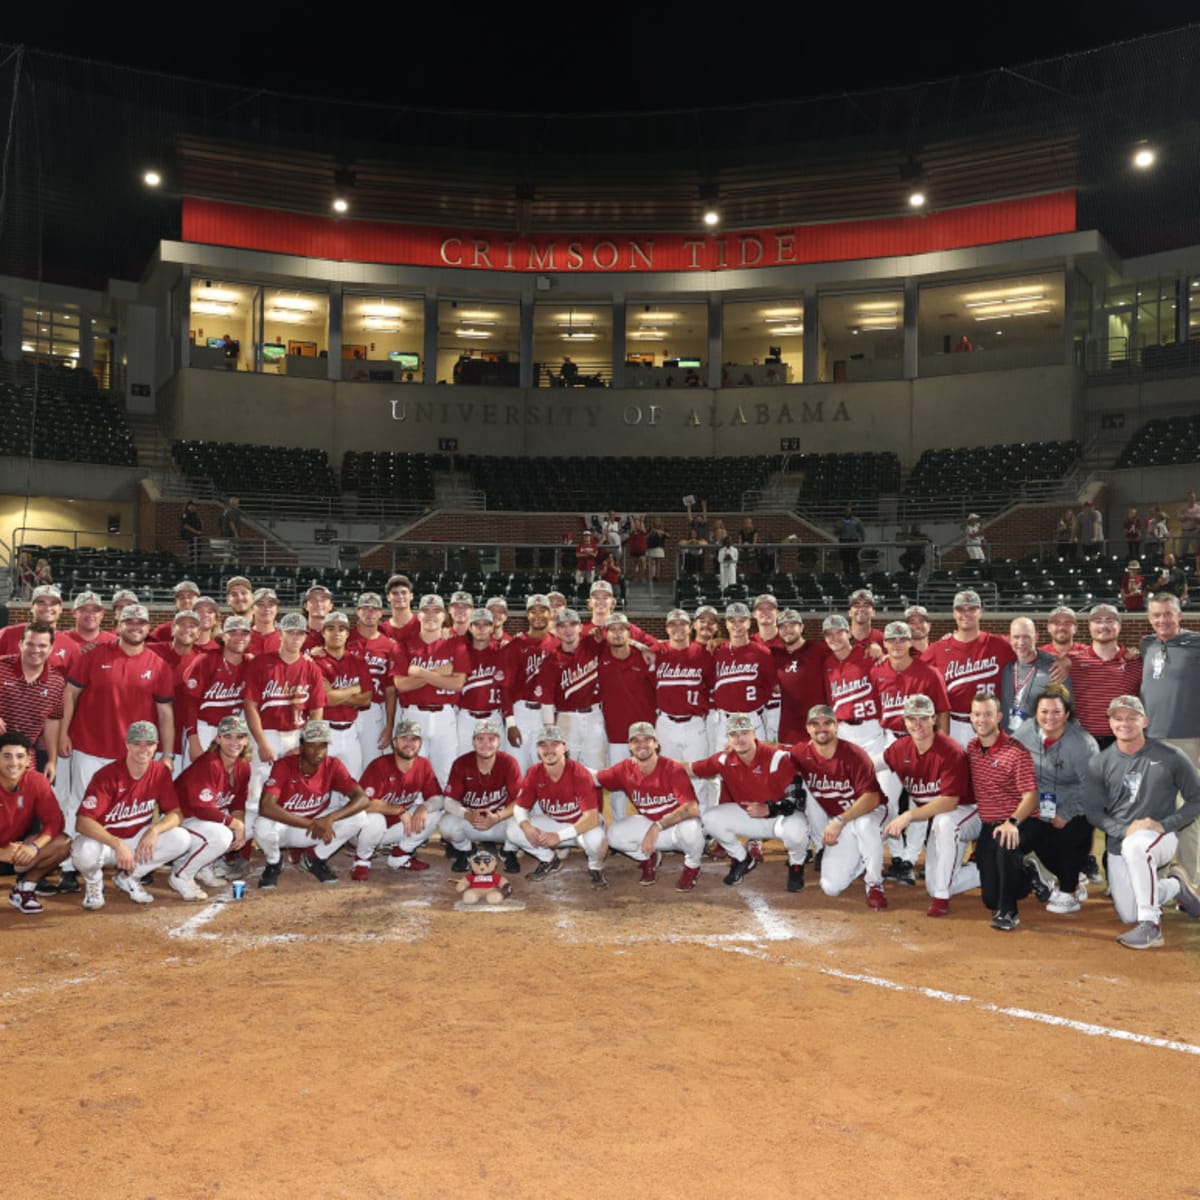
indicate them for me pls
(68, 883)
(270, 875)
(739, 870)
(795, 877)
(545, 868)
(901, 872)
(1091, 868)
(44, 887)
(1005, 922)
(512, 862)
(461, 864)
(1040, 883)
(318, 868)
(598, 880)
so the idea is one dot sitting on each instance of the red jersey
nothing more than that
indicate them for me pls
(849, 688)
(565, 799)
(444, 651)
(835, 783)
(743, 677)
(307, 795)
(162, 633)
(1096, 681)
(874, 638)
(894, 687)
(32, 798)
(662, 791)
(969, 667)
(570, 680)
(941, 771)
(216, 687)
(124, 805)
(26, 707)
(206, 791)
(484, 690)
(484, 793)
(999, 776)
(264, 643)
(377, 653)
(801, 676)
(636, 633)
(762, 780)
(185, 710)
(116, 690)
(410, 631)
(275, 685)
(526, 657)
(383, 780)
(626, 692)
(683, 680)
(344, 672)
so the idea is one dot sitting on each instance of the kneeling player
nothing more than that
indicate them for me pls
(26, 800)
(480, 793)
(667, 812)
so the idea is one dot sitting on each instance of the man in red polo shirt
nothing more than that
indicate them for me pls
(26, 799)
(799, 666)
(46, 605)
(31, 694)
(186, 594)
(1102, 671)
(626, 678)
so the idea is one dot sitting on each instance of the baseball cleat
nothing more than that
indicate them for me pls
(650, 868)
(1188, 898)
(795, 882)
(318, 868)
(1041, 882)
(715, 850)
(512, 862)
(1062, 902)
(24, 899)
(1005, 922)
(361, 872)
(270, 875)
(938, 908)
(93, 896)
(209, 878)
(1145, 935)
(68, 882)
(900, 871)
(461, 864)
(133, 888)
(754, 849)
(876, 897)
(187, 888)
(44, 887)
(687, 881)
(402, 860)
(599, 882)
(543, 869)
(738, 870)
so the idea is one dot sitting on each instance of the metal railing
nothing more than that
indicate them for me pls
(1116, 359)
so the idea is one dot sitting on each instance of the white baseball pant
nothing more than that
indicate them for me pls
(91, 857)
(591, 843)
(376, 832)
(1137, 892)
(946, 874)
(274, 836)
(686, 741)
(858, 850)
(586, 739)
(618, 803)
(210, 840)
(528, 719)
(281, 742)
(439, 736)
(730, 822)
(461, 834)
(369, 726)
(685, 837)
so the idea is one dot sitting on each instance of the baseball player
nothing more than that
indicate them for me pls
(626, 674)
(683, 679)
(318, 604)
(348, 691)
(755, 800)
(603, 603)
(116, 823)
(122, 597)
(239, 596)
(558, 806)
(765, 611)
(462, 605)
(374, 724)
(861, 614)
(402, 623)
(1133, 791)
(429, 671)
(216, 685)
(498, 607)
(296, 808)
(45, 605)
(933, 769)
(527, 653)
(186, 594)
(482, 696)
(26, 799)
(264, 634)
(706, 627)
(916, 617)
(666, 812)
(404, 807)
(557, 603)
(800, 669)
(207, 641)
(1061, 626)
(845, 812)
(744, 672)
(480, 796)
(570, 683)
(212, 796)
(179, 654)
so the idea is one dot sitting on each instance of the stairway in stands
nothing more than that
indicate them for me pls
(153, 449)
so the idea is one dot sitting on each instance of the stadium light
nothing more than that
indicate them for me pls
(340, 205)
(151, 178)
(1143, 158)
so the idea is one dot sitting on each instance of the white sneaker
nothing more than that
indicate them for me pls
(93, 894)
(1062, 902)
(1081, 890)
(208, 877)
(186, 887)
(133, 888)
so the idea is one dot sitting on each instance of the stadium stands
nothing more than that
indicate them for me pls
(240, 469)
(989, 476)
(1163, 442)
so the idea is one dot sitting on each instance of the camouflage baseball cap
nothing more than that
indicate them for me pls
(497, 602)
(265, 594)
(641, 729)
(739, 723)
(678, 614)
(185, 585)
(204, 602)
(134, 612)
(552, 596)
(537, 600)
(463, 598)
(789, 615)
(185, 615)
(292, 623)
(1104, 610)
(482, 616)
(143, 732)
(432, 600)
(967, 599)
(918, 706)
(601, 585)
(821, 712)
(1130, 702)
(483, 728)
(87, 600)
(337, 617)
(1063, 610)
(120, 596)
(896, 629)
(238, 581)
(550, 733)
(865, 595)
(49, 591)
(234, 725)
(766, 599)
(316, 731)
(916, 610)
(706, 610)
(736, 609)
(566, 616)
(408, 729)
(618, 618)
(233, 624)
(398, 581)
(834, 621)
(368, 600)
(317, 587)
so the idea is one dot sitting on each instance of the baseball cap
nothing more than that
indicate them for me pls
(398, 581)
(766, 598)
(204, 602)
(1104, 610)
(790, 614)
(821, 712)
(482, 614)
(864, 594)
(292, 623)
(185, 585)
(918, 706)
(550, 733)
(641, 729)
(230, 725)
(485, 727)
(408, 729)
(736, 609)
(141, 731)
(566, 616)
(537, 600)
(918, 610)
(497, 602)
(967, 599)
(431, 600)
(1133, 565)
(134, 612)
(601, 585)
(677, 614)
(86, 599)
(120, 596)
(368, 600)
(186, 615)
(233, 623)
(337, 617)
(555, 595)
(834, 621)
(618, 618)
(1062, 611)
(51, 591)
(739, 723)
(238, 581)
(707, 610)
(315, 731)
(972, 516)
(463, 598)
(317, 587)
(896, 629)
(265, 594)
(1130, 702)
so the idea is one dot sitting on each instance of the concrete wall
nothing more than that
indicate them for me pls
(53, 522)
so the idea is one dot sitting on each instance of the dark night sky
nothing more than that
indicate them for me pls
(672, 55)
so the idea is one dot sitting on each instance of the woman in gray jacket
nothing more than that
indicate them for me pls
(1061, 751)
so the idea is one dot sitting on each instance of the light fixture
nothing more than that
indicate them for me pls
(916, 198)
(711, 217)
(1143, 158)
(788, 329)
(151, 178)
(294, 304)
(578, 335)
(286, 316)
(215, 293)
(382, 324)
(913, 174)
(208, 308)
(648, 315)
(472, 333)
(340, 205)
(648, 335)
(781, 314)
(1004, 316)
(1014, 299)
(381, 310)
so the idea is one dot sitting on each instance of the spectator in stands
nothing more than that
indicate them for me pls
(727, 561)
(1089, 527)
(25, 574)
(719, 532)
(692, 550)
(656, 548)
(912, 558)
(231, 526)
(1157, 532)
(975, 539)
(698, 523)
(42, 575)
(585, 557)
(1172, 578)
(964, 345)
(748, 536)
(635, 548)
(1064, 536)
(1189, 526)
(191, 530)
(1133, 533)
(569, 372)
(850, 536)
(1133, 587)
(231, 348)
